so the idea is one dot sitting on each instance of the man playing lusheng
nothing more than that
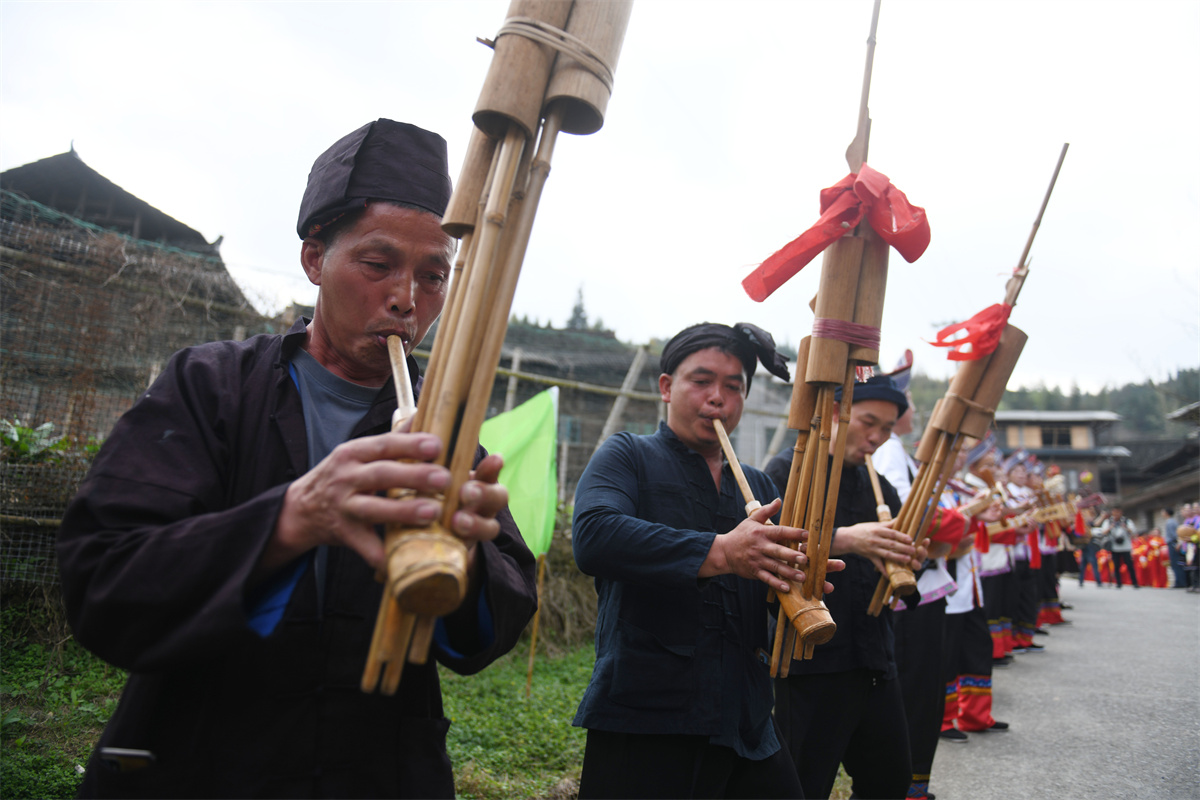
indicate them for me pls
(223, 546)
(844, 706)
(679, 704)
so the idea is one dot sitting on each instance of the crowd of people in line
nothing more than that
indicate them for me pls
(224, 546)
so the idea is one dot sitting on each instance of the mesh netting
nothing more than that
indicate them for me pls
(88, 317)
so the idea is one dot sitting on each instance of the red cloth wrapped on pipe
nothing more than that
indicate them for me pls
(866, 193)
(977, 336)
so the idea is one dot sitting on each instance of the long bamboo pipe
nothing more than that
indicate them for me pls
(554, 59)
(801, 612)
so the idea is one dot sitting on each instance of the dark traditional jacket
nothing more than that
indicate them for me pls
(156, 552)
(675, 654)
(861, 640)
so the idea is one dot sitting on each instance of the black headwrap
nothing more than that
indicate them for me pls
(878, 387)
(749, 343)
(382, 160)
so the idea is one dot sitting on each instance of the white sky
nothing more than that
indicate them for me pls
(726, 121)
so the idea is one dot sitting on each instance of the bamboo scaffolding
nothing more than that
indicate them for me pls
(551, 73)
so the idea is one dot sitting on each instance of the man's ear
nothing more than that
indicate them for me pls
(664, 387)
(312, 255)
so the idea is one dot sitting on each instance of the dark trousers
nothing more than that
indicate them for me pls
(1049, 577)
(920, 634)
(1087, 555)
(677, 765)
(1028, 602)
(999, 598)
(1178, 566)
(853, 718)
(1126, 559)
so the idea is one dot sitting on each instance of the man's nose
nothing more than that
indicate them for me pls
(401, 294)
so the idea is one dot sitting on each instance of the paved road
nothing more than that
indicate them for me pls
(1111, 709)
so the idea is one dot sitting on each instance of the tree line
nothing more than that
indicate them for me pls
(1142, 406)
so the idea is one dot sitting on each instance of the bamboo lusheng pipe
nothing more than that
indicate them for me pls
(921, 502)
(393, 627)
(842, 297)
(803, 613)
(426, 568)
(991, 388)
(581, 83)
(900, 577)
(831, 496)
(515, 87)
(968, 415)
(821, 476)
(800, 412)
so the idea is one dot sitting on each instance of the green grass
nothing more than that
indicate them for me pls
(53, 705)
(55, 698)
(506, 745)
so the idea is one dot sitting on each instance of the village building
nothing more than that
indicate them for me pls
(1077, 441)
(99, 289)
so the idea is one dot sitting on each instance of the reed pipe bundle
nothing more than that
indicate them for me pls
(551, 72)
(848, 308)
(965, 411)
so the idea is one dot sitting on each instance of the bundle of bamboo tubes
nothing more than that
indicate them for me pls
(551, 72)
(851, 290)
(849, 310)
(965, 411)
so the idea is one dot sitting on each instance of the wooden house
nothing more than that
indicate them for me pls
(99, 289)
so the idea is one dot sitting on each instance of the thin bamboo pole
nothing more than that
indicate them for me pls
(900, 578)
(1017, 281)
(537, 616)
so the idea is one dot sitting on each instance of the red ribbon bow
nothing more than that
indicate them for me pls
(977, 337)
(865, 193)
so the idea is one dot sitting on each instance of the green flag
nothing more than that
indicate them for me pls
(527, 437)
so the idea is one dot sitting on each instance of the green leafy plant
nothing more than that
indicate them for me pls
(25, 444)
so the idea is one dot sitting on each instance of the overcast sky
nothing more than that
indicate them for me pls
(725, 123)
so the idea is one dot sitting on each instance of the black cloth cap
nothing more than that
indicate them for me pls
(878, 387)
(382, 160)
(750, 343)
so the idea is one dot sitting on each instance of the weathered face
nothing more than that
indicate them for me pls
(709, 384)
(386, 274)
(871, 423)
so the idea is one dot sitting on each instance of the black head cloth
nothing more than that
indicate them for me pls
(382, 160)
(878, 387)
(750, 343)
